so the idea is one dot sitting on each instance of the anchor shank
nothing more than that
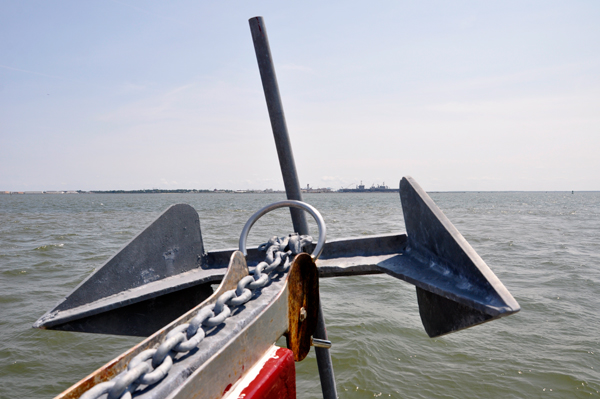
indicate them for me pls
(280, 132)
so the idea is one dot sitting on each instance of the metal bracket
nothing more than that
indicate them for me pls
(237, 270)
(231, 349)
(303, 305)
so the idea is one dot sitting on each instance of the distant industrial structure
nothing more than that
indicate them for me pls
(360, 188)
(310, 189)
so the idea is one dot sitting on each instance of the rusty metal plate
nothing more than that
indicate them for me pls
(303, 305)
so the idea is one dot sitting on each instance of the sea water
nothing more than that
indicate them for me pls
(544, 247)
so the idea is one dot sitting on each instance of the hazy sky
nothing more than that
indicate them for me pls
(464, 95)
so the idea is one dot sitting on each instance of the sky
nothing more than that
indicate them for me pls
(464, 95)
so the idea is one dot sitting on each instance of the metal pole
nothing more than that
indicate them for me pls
(324, 363)
(280, 132)
(290, 178)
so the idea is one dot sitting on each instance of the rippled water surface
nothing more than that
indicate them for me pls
(545, 247)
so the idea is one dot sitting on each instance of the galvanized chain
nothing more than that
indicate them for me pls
(152, 365)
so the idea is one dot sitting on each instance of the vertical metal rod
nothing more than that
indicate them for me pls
(290, 178)
(280, 132)
(324, 363)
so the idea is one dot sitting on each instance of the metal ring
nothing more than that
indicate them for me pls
(290, 204)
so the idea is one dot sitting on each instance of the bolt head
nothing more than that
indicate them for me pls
(302, 314)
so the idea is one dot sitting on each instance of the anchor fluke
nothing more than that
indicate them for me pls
(442, 316)
(476, 295)
(455, 288)
(159, 275)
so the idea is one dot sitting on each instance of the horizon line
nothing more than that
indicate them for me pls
(262, 191)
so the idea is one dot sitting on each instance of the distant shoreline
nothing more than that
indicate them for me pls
(312, 191)
(183, 191)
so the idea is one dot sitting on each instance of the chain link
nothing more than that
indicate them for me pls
(152, 365)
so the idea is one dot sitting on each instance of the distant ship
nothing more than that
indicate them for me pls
(373, 189)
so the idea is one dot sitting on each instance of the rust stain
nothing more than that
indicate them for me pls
(303, 285)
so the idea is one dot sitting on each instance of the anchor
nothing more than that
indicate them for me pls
(162, 280)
